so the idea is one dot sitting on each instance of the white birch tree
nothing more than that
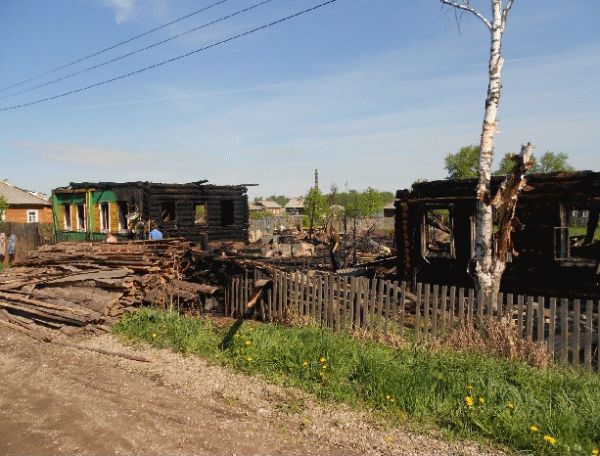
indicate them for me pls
(489, 266)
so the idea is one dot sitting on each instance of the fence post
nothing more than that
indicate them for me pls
(470, 304)
(461, 306)
(426, 310)
(552, 325)
(418, 312)
(564, 331)
(400, 320)
(529, 318)
(576, 331)
(589, 326)
(520, 305)
(434, 310)
(451, 308)
(541, 320)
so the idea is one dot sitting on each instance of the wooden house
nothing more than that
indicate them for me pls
(558, 249)
(197, 211)
(24, 206)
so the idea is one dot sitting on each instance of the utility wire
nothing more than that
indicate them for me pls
(171, 60)
(137, 51)
(102, 51)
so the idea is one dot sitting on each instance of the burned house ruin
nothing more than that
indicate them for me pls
(558, 245)
(196, 211)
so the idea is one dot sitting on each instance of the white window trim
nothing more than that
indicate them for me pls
(106, 228)
(67, 226)
(36, 213)
(79, 227)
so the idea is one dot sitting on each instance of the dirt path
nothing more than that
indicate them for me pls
(60, 400)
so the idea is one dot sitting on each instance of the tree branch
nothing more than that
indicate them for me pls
(506, 10)
(466, 7)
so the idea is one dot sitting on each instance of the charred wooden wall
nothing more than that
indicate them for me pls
(540, 210)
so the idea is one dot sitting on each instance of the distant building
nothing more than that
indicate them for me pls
(295, 206)
(24, 206)
(389, 210)
(270, 207)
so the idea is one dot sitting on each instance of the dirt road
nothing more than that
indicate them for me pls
(60, 400)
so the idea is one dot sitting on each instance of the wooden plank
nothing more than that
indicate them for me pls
(552, 325)
(520, 307)
(346, 304)
(461, 305)
(301, 292)
(275, 314)
(352, 303)
(564, 331)
(470, 304)
(372, 303)
(285, 291)
(480, 305)
(435, 301)
(426, 304)
(320, 287)
(443, 308)
(510, 306)
(326, 301)
(380, 299)
(589, 326)
(451, 308)
(364, 296)
(491, 304)
(529, 318)
(418, 312)
(540, 319)
(332, 305)
(400, 307)
(576, 331)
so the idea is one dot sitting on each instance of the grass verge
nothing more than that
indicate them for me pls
(541, 411)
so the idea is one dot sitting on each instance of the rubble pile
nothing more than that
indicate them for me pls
(85, 285)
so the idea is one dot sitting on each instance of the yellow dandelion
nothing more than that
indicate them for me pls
(305, 363)
(551, 440)
(323, 359)
(388, 397)
(324, 366)
(595, 452)
(153, 334)
(388, 438)
(482, 400)
(248, 342)
(469, 401)
(249, 359)
(321, 374)
(509, 405)
(392, 400)
(534, 428)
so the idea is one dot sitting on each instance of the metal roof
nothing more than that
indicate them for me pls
(17, 197)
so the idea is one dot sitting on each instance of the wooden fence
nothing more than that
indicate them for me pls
(570, 328)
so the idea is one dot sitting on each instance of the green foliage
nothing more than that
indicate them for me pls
(463, 164)
(315, 208)
(259, 215)
(3, 205)
(370, 202)
(282, 200)
(549, 162)
(432, 388)
(387, 197)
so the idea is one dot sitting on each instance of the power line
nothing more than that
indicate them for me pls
(102, 51)
(137, 51)
(171, 60)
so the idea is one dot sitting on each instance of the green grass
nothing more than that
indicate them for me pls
(428, 387)
(581, 231)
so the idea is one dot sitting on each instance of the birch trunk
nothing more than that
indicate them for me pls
(488, 272)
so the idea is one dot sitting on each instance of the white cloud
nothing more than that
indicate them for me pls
(124, 9)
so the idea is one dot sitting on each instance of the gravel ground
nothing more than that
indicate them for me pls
(60, 400)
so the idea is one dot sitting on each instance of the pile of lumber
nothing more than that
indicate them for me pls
(90, 285)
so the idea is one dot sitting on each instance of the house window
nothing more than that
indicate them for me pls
(579, 237)
(81, 219)
(167, 212)
(32, 216)
(67, 217)
(200, 214)
(104, 217)
(227, 215)
(437, 232)
(122, 209)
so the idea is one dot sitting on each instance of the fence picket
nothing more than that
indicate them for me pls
(400, 307)
(418, 312)
(576, 331)
(426, 303)
(564, 331)
(520, 305)
(552, 325)
(470, 304)
(499, 309)
(443, 306)
(587, 355)
(461, 305)
(529, 318)
(480, 305)
(451, 308)
(540, 320)
(434, 310)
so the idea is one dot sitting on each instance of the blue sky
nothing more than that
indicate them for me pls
(370, 92)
